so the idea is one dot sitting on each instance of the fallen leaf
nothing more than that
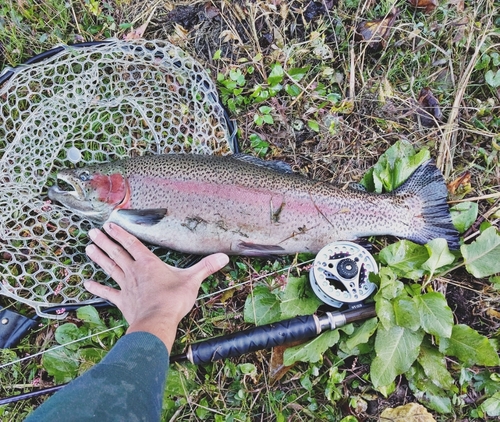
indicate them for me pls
(211, 11)
(462, 182)
(493, 313)
(429, 108)
(228, 294)
(276, 366)
(318, 8)
(460, 4)
(376, 32)
(136, 34)
(186, 16)
(428, 5)
(411, 412)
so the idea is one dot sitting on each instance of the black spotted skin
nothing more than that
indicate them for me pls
(215, 203)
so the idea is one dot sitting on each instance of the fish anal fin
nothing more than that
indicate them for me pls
(254, 249)
(148, 217)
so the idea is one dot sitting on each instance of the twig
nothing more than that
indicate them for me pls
(476, 198)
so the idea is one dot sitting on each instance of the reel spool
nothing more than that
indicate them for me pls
(340, 274)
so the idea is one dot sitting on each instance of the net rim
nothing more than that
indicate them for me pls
(9, 71)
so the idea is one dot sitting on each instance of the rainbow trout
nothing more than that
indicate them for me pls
(238, 205)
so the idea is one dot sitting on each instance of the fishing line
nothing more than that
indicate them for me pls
(206, 296)
(258, 278)
(340, 267)
(59, 346)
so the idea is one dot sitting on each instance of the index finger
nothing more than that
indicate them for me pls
(130, 243)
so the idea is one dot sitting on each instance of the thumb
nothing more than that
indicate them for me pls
(209, 265)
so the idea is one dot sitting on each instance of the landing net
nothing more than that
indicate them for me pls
(91, 103)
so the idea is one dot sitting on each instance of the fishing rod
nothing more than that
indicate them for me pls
(339, 276)
(243, 342)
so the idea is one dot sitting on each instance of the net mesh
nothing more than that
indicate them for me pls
(106, 102)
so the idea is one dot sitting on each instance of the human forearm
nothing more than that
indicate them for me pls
(128, 382)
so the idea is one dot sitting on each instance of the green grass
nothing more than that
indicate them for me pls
(329, 107)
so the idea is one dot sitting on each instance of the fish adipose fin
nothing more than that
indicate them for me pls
(253, 249)
(143, 217)
(428, 184)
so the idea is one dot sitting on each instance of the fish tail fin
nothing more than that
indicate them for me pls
(427, 183)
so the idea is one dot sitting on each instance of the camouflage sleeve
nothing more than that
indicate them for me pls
(126, 385)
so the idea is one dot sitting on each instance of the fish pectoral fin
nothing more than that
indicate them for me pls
(254, 249)
(143, 217)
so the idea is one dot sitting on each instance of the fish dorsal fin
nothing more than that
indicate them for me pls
(356, 187)
(278, 166)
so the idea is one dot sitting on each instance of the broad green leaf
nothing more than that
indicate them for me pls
(297, 73)
(405, 312)
(349, 418)
(439, 256)
(385, 312)
(313, 350)
(248, 369)
(293, 90)
(181, 382)
(217, 55)
(313, 124)
(496, 58)
(436, 317)
(61, 363)
(405, 258)
(492, 78)
(261, 307)
(394, 167)
(482, 257)
(276, 75)
(396, 349)
(67, 333)
(389, 286)
(427, 392)
(89, 356)
(298, 298)
(463, 215)
(268, 119)
(361, 335)
(434, 365)
(491, 406)
(434, 398)
(469, 346)
(90, 315)
(487, 381)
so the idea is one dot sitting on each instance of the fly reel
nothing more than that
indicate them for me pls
(340, 274)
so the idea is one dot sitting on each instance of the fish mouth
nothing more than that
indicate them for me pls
(65, 187)
(71, 195)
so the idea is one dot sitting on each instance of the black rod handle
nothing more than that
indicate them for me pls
(257, 338)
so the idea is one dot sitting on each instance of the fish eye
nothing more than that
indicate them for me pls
(84, 176)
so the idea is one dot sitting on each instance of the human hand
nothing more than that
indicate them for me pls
(153, 296)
